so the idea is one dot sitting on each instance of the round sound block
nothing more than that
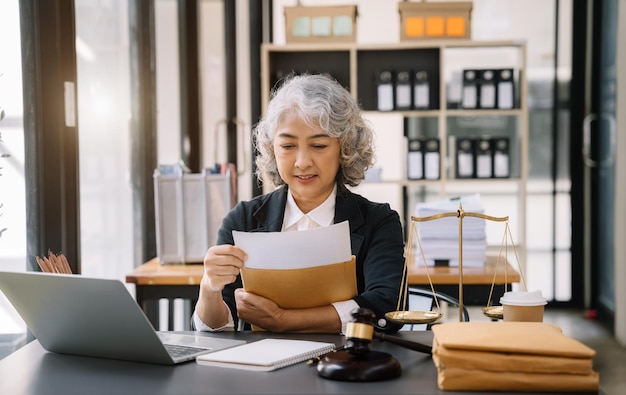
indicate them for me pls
(371, 366)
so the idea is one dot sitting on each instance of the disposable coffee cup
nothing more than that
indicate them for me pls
(523, 306)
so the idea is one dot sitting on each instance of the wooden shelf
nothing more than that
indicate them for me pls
(357, 66)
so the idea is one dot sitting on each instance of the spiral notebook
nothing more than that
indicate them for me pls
(267, 354)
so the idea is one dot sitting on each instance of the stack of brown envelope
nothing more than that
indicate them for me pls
(511, 356)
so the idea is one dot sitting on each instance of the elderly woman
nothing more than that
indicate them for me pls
(313, 143)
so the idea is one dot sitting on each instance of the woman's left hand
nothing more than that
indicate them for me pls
(258, 310)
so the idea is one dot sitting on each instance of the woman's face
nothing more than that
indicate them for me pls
(308, 161)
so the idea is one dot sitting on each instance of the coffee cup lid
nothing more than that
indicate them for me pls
(523, 298)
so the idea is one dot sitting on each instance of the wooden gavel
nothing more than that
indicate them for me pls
(360, 332)
(356, 362)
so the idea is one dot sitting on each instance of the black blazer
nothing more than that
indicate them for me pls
(376, 241)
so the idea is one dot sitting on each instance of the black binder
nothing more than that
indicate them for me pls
(484, 157)
(506, 89)
(385, 90)
(469, 97)
(501, 157)
(432, 157)
(403, 90)
(415, 160)
(465, 158)
(487, 93)
(421, 91)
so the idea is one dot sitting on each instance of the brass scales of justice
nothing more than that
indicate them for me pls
(403, 316)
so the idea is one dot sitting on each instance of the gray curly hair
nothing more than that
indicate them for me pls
(320, 102)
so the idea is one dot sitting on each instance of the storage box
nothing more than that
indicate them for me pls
(435, 20)
(189, 208)
(320, 24)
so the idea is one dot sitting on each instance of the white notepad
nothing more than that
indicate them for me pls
(267, 354)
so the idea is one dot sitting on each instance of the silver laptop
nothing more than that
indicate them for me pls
(73, 314)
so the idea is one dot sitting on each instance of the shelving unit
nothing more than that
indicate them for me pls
(356, 67)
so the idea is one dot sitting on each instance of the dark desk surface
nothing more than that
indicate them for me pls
(32, 370)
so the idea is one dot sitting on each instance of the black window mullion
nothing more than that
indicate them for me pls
(143, 133)
(191, 144)
(50, 132)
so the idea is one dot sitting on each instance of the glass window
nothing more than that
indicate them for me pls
(12, 184)
(104, 114)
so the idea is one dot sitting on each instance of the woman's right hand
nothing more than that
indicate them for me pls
(221, 266)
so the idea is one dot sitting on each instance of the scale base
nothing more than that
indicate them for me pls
(371, 366)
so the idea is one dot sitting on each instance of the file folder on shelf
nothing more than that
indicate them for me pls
(454, 90)
(487, 93)
(432, 158)
(501, 157)
(465, 158)
(421, 90)
(506, 89)
(385, 90)
(469, 97)
(484, 158)
(403, 90)
(415, 160)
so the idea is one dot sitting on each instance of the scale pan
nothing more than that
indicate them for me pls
(493, 312)
(413, 317)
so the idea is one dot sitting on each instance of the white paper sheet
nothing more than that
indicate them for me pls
(297, 249)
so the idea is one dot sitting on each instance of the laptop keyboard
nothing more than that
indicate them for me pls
(177, 351)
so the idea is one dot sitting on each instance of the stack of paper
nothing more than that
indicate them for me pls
(511, 356)
(440, 237)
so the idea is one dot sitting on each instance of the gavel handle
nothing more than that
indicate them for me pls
(404, 343)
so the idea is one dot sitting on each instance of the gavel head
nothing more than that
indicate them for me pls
(360, 331)
(357, 362)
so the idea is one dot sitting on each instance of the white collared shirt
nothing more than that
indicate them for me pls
(294, 220)
(321, 216)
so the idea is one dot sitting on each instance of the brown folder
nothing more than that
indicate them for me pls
(534, 338)
(305, 287)
(482, 380)
(511, 356)
(499, 362)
